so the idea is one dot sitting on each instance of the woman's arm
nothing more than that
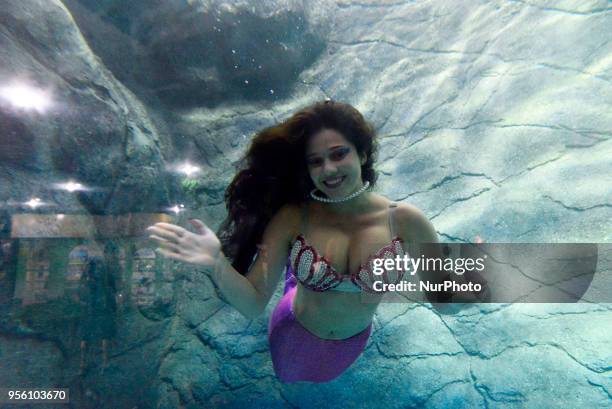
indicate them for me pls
(248, 294)
(420, 232)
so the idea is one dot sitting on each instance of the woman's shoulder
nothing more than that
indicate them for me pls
(289, 211)
(287, 217)
(409, 213)
(411, 221)
(283, 226)
(402, 209)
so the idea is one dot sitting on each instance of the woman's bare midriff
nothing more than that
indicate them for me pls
(333, 314)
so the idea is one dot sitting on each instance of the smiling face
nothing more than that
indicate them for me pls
(334, 164)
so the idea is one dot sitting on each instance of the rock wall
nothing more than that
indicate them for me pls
(494, 118)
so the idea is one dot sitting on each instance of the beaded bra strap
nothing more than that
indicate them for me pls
(304, 219)
(392, 208)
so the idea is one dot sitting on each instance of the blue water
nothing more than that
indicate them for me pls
(493, 118)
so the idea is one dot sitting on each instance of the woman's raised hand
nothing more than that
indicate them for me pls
(175, 242)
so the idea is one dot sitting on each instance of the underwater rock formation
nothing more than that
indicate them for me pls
(202, 53)
(494, 119)
(92, 128)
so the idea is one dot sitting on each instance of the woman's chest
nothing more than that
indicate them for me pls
(344, 249)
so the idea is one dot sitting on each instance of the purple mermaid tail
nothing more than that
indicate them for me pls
(299, 355)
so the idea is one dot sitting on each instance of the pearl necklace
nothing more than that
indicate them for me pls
(353, 195)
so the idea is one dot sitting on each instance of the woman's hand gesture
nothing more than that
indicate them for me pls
(202, 248)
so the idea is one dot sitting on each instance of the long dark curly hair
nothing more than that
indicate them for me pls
(274, 173)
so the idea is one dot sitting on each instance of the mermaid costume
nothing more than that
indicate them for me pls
(298, 354)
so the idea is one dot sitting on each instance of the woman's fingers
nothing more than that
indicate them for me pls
(158, 239)
(169, 254)
(166, 244)
(163, 233)
(199, 226)
(172, 232)
(180, 244)
(178, 230)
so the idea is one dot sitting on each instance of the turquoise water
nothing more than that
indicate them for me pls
(493, 118)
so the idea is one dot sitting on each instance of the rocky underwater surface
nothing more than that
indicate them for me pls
(494, 118)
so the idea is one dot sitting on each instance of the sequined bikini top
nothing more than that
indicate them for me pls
(316, 273)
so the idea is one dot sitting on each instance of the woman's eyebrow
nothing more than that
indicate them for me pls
(331, 148)
(335, 147)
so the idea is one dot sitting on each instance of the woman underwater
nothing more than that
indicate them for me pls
(304, 196)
